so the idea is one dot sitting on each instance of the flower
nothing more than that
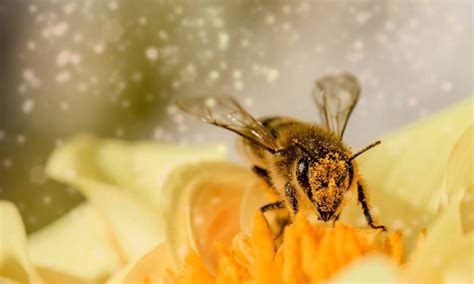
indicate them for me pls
(149, 206)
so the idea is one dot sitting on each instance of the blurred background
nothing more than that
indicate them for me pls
(114, 68)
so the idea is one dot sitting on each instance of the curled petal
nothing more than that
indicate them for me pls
(122, 181)
(201, 206)
(78, 244)
(15, 264)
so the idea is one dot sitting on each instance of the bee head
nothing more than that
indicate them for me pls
(328, 181)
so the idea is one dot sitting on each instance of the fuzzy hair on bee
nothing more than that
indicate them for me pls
(308, 165)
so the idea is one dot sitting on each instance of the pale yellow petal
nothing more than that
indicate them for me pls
(58, 277)
(459, 262)
(201, 205)
(459, 179)
(152, 266)
(123, 182)
(5, 280)
(447, 252)
(442, 243)
(369, 269)
(15, 263)
(410, 163)
(78, 244)
(139, 167)
(405, 173)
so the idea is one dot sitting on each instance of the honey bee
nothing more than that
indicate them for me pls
(308, 165)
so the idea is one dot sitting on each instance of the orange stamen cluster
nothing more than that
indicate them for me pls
(309, 253)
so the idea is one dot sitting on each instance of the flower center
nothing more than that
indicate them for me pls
(309, 253)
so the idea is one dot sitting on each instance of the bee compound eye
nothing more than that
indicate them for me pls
(302, 166)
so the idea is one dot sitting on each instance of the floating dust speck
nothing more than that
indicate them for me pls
(46, 200)
(269, 19)
(363, 17)
(358, 44)
(213, 75)
(28, 105)
(119, 132)
(31, 45)
(31, 78)
(248, 101)
(210, 102)
(238, 85)
(151, 53)
(163, 35)
(446, 86)
(20, 139)
(64, 106)
(113, 5)
(237, 74)
(98, 48)
(158, 133)
(412, 101)
(63, 77)
(189, 73)
(7, 163)
(223, 40)
(63, 58)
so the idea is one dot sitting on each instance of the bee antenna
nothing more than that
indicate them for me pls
(364, 150)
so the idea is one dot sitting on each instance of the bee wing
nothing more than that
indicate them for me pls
(336, 97)
(226, 112)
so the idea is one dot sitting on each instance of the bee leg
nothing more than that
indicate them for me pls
(290, 194)
(263, 174)
(281, 222)
(335, 220)
(272, 206)
(365, 208)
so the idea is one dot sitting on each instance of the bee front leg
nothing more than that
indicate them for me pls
(365, 207)
(262, 173)
(281, 222)
(290, 194)
(272, 206)
(335, 220)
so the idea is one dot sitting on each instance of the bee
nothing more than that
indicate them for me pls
(307, 165)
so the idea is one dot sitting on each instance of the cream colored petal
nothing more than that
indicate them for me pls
(132, 225)
(444, 246)
(404, 175)
(139, 167)
(370, 269)
(123, 181)
(57, 277)
(15, 264)
(459, 263)
(459, 179)
(152, 266)
(201, 204)
(77, 245)
(448, 250)
(5, 280)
